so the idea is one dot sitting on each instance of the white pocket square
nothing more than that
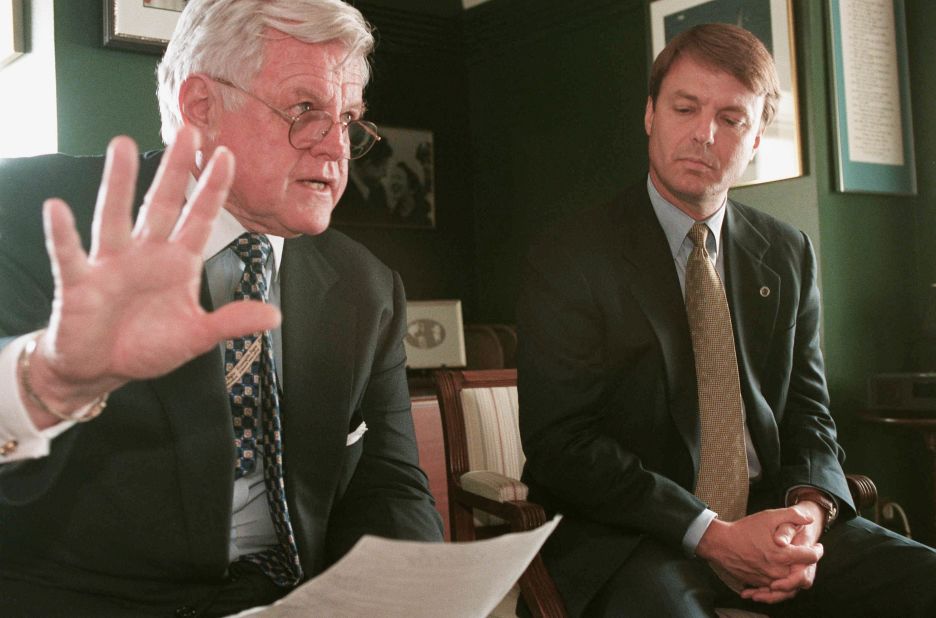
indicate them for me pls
(357, 434)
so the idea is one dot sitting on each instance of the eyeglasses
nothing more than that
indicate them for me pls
(310, 127)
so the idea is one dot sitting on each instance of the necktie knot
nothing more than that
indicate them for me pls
(253, 249)
(698, 235)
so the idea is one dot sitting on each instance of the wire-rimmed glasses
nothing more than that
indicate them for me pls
(312, 126)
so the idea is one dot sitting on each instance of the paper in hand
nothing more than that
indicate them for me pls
(410, 579)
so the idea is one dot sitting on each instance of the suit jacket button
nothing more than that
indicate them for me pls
(186, 611)
(765, 291)
(8, 447)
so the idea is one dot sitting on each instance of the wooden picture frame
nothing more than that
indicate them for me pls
(140, 25)
(780, 153)
(12, 42)
(435, 335)
(871, 93)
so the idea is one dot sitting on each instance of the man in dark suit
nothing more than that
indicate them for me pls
(164, 502)
(617, 383)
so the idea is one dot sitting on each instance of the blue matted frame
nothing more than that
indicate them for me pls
(861, 175)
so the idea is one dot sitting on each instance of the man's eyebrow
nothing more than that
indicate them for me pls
(305, 93)
(302, 92)
(682, 94)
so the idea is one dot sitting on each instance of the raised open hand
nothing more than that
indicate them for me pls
(129, 309)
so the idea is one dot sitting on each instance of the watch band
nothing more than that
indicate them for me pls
(826, 502)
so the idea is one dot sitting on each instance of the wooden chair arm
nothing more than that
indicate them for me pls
(863, 490)
(539, 590)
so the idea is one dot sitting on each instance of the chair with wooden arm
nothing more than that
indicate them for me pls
(484, 460)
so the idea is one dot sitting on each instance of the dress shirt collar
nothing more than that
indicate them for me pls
(226, 228)
(676, 223)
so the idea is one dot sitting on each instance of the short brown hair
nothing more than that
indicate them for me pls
(727, 48)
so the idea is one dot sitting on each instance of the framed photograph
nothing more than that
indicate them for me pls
(434, 334)
(140, 25)
(871, 94)
(780, 154)
(11, 31)
(393, 185)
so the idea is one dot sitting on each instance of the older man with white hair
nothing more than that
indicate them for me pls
(162, 448)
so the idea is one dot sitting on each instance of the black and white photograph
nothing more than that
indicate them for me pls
(393, 185)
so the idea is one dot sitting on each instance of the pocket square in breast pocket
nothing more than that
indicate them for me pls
(357, 434)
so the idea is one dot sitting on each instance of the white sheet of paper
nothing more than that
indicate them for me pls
(409, 579)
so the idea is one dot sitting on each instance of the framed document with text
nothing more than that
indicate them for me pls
(871, 88)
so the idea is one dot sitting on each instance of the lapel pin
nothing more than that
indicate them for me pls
(765, 291)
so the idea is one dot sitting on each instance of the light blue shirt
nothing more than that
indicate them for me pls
(676, 225)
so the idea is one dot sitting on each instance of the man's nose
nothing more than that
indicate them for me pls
(335, 143)
(704, 130)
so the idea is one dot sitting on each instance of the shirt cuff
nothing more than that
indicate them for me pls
(19, 438)
(695, 531)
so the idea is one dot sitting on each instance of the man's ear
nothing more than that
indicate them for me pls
(648, 115)
(756, 144)
(199, 102)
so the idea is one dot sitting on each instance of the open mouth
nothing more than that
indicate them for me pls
(315, 185)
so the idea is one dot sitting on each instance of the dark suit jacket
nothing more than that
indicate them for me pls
(608, 404)
(137, 503)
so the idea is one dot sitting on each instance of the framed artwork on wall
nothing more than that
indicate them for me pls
(871, 86)
(435, 335)
(392, 185)
(780, 153)
(11, 31)
(140, 25)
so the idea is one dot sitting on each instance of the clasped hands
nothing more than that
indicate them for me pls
(772, 553)
(129, 309)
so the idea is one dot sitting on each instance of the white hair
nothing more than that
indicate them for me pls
(224, 38)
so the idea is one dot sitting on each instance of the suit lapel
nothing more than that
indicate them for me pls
(753, 290)
(319, 330)
(197, 409)
(196, 405)
(656, 287)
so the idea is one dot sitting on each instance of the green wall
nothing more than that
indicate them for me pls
(102, 92)
(557, 95)
(418, 82)
(536, 109)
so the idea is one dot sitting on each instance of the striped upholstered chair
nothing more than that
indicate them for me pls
(483, 465)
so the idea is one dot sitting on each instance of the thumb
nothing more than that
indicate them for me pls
(240, 318)
(784, 534)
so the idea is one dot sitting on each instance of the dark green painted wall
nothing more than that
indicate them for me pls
(418, 82)
(556, 113)
(536, 108)
(101, 92)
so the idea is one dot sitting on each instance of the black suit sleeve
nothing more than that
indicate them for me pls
(591, 391)
(388, 494)
(810, 453)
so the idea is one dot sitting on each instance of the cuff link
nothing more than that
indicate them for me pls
(8, 448)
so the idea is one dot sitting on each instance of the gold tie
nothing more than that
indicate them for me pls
(723, 472)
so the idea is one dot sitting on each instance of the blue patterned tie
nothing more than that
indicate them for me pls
(252, 384)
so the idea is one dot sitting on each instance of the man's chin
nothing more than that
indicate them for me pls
(314, 221)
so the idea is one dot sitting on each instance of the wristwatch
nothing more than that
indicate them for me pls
(827, 503)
